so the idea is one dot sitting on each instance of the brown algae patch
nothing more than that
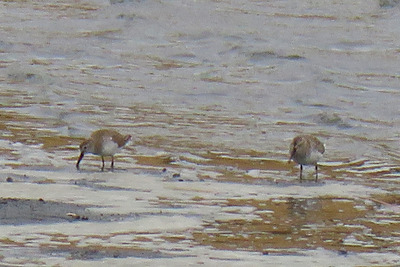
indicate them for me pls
(156, 161)
(73, 247)
(392, 199)
(7, 241)
(284, 224)
(99, 33)
(27, 129)
(166, 64)
(245, 163)
(54, 142)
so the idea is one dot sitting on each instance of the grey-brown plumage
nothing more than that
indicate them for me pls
(306, 150)
(103, 142)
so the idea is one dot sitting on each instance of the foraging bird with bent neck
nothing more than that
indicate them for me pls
(306, 150)
(103, 142)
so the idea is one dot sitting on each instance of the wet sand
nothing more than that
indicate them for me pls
(212, 93)
(126, 218)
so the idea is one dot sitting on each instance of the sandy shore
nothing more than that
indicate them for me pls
(124, 217)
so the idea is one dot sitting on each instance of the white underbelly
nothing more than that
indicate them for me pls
(109, 148)
(313, 158)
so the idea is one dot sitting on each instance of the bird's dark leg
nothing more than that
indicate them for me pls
(112, 163)
(102, 167)
(301, 173)
(316, 173)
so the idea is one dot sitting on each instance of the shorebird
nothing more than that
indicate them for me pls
(103, 143)
(306, 150)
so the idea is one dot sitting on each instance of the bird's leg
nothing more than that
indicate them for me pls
(112, 163)
(301, 173)
(102, 167)
(316, 173)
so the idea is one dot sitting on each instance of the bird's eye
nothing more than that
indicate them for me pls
(85, 147)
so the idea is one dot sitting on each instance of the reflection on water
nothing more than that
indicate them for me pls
(284, 224)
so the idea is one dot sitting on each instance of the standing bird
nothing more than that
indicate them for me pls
(103, 143)
(306, 150)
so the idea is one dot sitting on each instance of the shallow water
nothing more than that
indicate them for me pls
(212, 92)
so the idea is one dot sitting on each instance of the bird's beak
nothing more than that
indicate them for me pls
(79, 160)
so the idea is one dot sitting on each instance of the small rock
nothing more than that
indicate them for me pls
(73, 215)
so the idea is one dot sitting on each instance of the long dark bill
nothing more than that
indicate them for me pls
(79, 160)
